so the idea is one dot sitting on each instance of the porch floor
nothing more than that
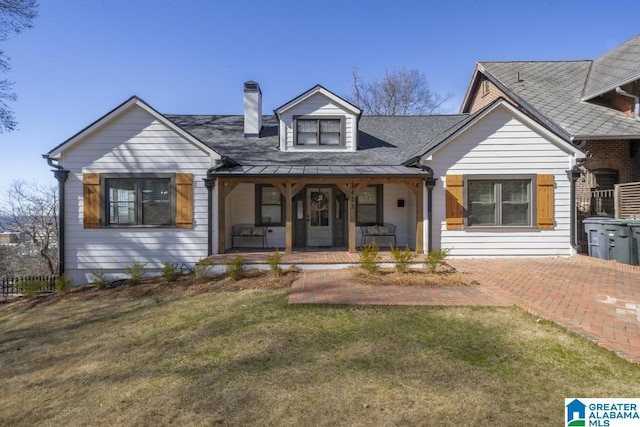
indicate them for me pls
(299, 257)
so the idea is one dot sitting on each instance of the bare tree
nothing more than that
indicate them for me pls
(15, 17)
(32, 210)
(400, 92)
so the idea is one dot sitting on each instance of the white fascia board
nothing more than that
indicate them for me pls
(547, 134)
(57, 152)
(610, 88)
(328, 94)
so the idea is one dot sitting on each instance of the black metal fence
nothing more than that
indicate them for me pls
(27, 284)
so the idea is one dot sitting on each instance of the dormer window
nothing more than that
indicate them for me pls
(321, 131)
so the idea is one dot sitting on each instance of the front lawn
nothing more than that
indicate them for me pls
(248, 358)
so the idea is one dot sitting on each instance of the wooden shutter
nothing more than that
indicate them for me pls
(91, 199)
(545, 202)
(184, 200)
(454, 202)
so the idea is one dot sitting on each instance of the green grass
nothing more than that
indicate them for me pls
(248, 358)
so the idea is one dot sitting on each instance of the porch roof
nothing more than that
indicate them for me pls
(322, 171)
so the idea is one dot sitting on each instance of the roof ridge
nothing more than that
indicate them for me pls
(536, 61)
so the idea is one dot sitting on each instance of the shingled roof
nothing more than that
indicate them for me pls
(383, 141)
(617, 67)
(563, 94)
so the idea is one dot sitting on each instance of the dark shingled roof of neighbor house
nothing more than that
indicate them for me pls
(617, 67)
(564, 94)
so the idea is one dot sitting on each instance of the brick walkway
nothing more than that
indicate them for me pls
(335, 287)
(597, 299)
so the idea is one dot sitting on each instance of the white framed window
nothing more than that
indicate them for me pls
(319, 131)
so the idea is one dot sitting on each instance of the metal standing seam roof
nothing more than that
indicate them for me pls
(384, 144)
(554, 89)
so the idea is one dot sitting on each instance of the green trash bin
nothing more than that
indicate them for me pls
(621, 242)
(635, 233)
(596, 237)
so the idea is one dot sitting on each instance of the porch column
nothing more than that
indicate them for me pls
(430, 183)
(288, 206)
(222, 233)
(352, 217)
(420, 218)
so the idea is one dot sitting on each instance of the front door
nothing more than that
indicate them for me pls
(319, 218)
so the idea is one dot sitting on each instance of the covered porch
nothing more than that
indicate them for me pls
(320, 257)
(320, 206)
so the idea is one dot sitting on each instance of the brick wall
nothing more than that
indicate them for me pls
(613, 154)
(482, 98)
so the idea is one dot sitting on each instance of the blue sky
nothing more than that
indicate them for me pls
(84, 57)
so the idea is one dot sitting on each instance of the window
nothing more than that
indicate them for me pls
(269, 206)
(492, 203)
(138, 201)
(605, 179)
(127, 200)
(485, 86)
(318, 131)
(369, 206)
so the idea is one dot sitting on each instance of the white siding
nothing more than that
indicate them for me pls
(404, 218)
(241, 209)
(318, 105)
(134, 142)
(500, 144)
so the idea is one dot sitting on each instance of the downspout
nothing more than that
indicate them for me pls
(61, 175)
(573, 174)
(636, 102)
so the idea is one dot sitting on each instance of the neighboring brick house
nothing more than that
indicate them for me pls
(590, 103)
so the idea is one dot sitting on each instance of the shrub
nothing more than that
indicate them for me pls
(169, 271)
(274, 261)
(435, 258)
(370, 257)
(136, 272)
(200, 272)
(62, 283)
(402, 258)
(98, 278)
(30, 288)
(235, 267)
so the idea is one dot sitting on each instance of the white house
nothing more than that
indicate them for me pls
(138, 185)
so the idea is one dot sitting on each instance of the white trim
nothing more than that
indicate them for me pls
(609, 88)
(318, 89)
(57, 152)
(550, 136)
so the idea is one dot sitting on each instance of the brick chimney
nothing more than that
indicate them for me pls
(252, 109)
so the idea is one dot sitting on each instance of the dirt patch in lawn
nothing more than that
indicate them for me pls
(186, 285)
(445, 275)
